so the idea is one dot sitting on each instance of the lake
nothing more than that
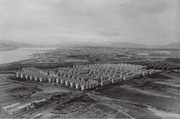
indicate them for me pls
(20, 54)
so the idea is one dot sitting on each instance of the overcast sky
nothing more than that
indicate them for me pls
(138, 21)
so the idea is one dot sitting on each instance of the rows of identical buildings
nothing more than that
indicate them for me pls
(87, 76)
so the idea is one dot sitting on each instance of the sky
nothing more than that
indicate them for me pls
(60, 21)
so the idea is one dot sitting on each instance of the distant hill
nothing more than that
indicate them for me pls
(11, 45)
(83, 44)
(71, 44)
(136, 45)
(122, 45)
(128, 45)
(172, 45)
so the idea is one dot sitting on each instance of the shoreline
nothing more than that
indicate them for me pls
(23, 54)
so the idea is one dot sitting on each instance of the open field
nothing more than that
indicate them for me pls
(23, 91)
(12, 91)
(145, 92)
(125, 109)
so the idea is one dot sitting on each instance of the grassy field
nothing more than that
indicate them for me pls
(146, 92)
(12, 91)
(25, 91)
(125, 109)
(162, 103)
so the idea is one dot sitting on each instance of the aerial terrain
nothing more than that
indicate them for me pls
(92, 82)
(89, 59)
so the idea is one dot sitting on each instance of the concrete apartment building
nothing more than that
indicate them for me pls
(87, 76)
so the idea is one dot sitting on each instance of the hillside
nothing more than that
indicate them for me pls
(11, 45)
(128, 45)
(136, 45)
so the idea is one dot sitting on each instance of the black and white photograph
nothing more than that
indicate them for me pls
(89, 59)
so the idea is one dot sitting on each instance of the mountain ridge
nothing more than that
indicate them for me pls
(13, 45)
(136, 45)
(173, 45)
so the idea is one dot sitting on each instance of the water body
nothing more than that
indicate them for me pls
(20, 54)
